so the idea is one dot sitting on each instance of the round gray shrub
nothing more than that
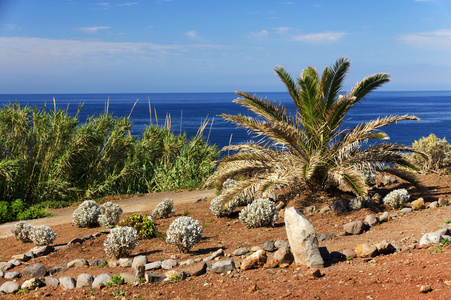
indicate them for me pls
(120, 241)
(261, 212)
(87, 214)
(184, 232)
(397, 198)
(217, 209)
(42, 235)
(242, 199)
(164, 209)
(22, 231)
(110, 214)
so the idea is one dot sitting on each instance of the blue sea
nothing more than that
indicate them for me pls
(187, 110)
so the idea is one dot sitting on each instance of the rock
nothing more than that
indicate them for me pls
(88, 237)
(125, 262)
(32, 283)
(356, 227)
(377, 198)
(326, 236)
(309, 210)
(140, 272)
(41, 250)
(284, 256)
(200, 200)
(223, 266)
(357, 203)
(21, 257)
(256, 248)
(100, 280)
(113, 263)
(129, 278)
(196, 269)
(302, 238)
(153, 266)
(169, 264)
(430, 238)
(444, 231)
(254, 261)
(15, 262)
(281, 244)
(268, 246)
(139, 260)
(5, 266)
(371, 220)
(77, 263)
(393, 215)
(340, 206)
(187, 262)
(215, 254)
(433, 205)
(11, 275)
(240, 252)
(384, 217)
(98, 262)
(56, 269)
(67, 283)
(10, 287)
(170, 274)
(50, 281)
(391, 180)
(385, 247)
(417, 204)
(325, 209)
(2, 273)
(76, 241)
(443, 202)
(271, 264)
(84, 280)
(37, 270)
(365, 250)
(425, 288)
(153, 278)
(405, 210)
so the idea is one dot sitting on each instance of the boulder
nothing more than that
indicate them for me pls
(50, 281)
(153, 266)
(98, 262)
(129, 278)
(5, 266)
(189, 261)
(356, 227)
(56, 269)
(10, 287)
(32, 284)
(196, 269)
(125, 262)
(169, 264)
(349, 253)
(153, 278)
(240, 252)
(284, 256)
(77, 263)
(281, 244)
(405, 210)
(37, 270)
(41, 250)
(417, 204)
(21, 257)
(302, 238)
(139, 260)
(326, 236)
(365, 250)
(84, 280)
(223, 266)
(371, 220)
(430, 238)
(100, 280)
(268, 246)
(254, 261)
(385, 247)
(340, 206)
(67, 283)
(11, 275)
(357, 203)
(443, 202)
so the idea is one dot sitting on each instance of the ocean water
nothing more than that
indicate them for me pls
(187, 110)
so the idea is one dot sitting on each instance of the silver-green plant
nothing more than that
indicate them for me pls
(396, 198)
(221, 211)
(22, 231)
(42, 235)
(87, 214)
(110, 214)
(184, 232)
(164, 209)
(261, 212)
(120, 241)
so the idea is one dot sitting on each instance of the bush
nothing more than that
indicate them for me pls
(184, 232)
(438, 150)
(34, 213)
(87, 214)
(120, 241)
(5, 213)
(218, 210)
(110, 215)
(42, 235)
(22, 231)
(164, 209)
(396, 198)
(261, 212)
(143, 225)
(17, 207)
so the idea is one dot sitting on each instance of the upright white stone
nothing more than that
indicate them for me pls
(302, 238)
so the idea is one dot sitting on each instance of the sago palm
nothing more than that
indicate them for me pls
(310, 148)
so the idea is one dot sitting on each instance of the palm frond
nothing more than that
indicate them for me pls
(332, 81)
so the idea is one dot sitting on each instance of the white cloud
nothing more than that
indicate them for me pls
(259, 34)
(320, 37)
(9, 27)
(437, 40)
(280, 30)
(191, 34)
(128, 4)
(93, 29)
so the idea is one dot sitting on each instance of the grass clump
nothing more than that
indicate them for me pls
(144, 226)
(438, 154)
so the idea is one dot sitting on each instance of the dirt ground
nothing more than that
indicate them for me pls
(395, 276)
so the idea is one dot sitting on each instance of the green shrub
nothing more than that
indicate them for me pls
(5, 212)
(34, 213)
(17, 207)
(144, 226)
(438, 151)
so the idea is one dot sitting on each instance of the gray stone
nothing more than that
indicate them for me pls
(268, 246)
(326, 236)
(56, 269)
(2, 273)
(217, 253)
(84, 280)
(405, 210)
(200, 200)
(430, 238)
(240, 252)
(32, 283)
(371, 220)
(349, 253)
(391, 180)
(41, 250)
(88, 237)
(21, 257)
(443, 202)
(256, 248)
(384, 217)
(433, 205)
(223, 266)
(129, 278)
(10, 287)
(302, 238)
(5, 266)
(37, 270)
(169, 264)
(11, 275)
(356, 203)
(67, 283)
(139, 260)
(76, 241)
(385, 247)
(125, 262)
(339, 206)
(113, 263)
(309, 210)
(153, 266)
(356, 227)
(281, 244)
(97, 262)
(393, 215)
(101, 280)
(153, 278)
(187, 262)
(325, 209)
(196, 269)
(50, 281)
(444, 231)
(15, 262)
(284, 256)
(77, 263)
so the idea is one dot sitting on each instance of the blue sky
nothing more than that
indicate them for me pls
(77, 46)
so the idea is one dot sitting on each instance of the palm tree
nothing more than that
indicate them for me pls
(310, 149)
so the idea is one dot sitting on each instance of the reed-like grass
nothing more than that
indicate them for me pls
(48, 155)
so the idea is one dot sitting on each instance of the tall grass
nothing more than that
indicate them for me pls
(50, 155)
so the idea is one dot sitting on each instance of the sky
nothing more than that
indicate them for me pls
(152, 46)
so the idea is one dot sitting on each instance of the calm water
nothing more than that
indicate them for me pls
(187, 110)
